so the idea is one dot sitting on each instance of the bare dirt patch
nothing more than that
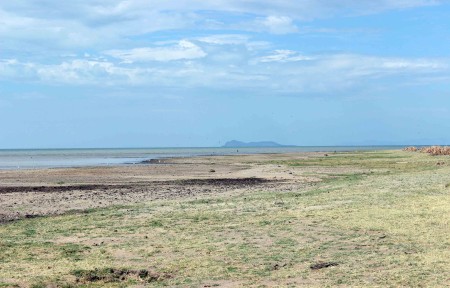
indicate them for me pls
(39, 192)
(34, 201)
(118, 275)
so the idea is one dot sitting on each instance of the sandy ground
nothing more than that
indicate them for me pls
(39, 192)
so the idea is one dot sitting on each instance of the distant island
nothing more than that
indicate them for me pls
(237, 144)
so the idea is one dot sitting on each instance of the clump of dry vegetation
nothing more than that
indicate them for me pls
(436, 150)
(432, 150)
(411, 149)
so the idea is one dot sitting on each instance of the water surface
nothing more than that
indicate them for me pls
(52, 158)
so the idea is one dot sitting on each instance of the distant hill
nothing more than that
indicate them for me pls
(237, 144)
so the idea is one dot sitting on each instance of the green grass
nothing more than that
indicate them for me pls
(382, 229)
(377, 161)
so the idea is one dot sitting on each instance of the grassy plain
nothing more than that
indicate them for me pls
(375, 219)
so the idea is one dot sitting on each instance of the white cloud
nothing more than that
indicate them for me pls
(182, 51)
(279, 25)
(112, 43)
(281, 70)
(98, 21)
(225, 39)
(12, 69)
(74, 72)
(371, 66)
(45, 30)
(417, 64)
(233, 40)
(88, 72)
(97, 12)
(284, 56)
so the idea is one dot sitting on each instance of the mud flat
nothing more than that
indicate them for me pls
(40, 192)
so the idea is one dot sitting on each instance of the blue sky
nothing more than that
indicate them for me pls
(145, 73)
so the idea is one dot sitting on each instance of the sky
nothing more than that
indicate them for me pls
(147, 73)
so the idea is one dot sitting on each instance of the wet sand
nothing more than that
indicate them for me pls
(42, 192)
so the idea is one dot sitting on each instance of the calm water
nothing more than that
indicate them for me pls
(50, 158)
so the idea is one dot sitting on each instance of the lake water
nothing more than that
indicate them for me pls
(52, 158)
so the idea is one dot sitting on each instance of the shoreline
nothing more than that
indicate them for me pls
(79, 158)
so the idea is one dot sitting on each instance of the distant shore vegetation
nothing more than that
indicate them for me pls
(432, 150)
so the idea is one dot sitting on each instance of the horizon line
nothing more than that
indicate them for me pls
(195, 147)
